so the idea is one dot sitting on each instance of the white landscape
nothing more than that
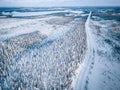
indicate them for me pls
(59, 49)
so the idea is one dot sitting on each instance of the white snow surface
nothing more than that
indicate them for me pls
(26, 14)
(100, 69)
(50, 52)
(20, 26)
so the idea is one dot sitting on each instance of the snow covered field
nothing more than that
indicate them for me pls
(100, 69)
(104, 69)
(59, 49)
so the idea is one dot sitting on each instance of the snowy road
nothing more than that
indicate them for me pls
(84, 71)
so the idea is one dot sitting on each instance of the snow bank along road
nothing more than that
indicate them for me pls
(45, 57)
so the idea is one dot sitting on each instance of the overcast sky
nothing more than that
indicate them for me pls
(46, 3)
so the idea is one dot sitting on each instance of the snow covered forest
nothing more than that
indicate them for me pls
(68, 48)
(44, 61)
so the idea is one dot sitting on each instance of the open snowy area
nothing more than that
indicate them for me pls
(68, 48)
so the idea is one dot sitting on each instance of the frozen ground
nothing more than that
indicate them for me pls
(104, 69)
(100, 69)
(60, 49)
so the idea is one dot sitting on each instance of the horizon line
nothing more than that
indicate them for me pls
(53, 6)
